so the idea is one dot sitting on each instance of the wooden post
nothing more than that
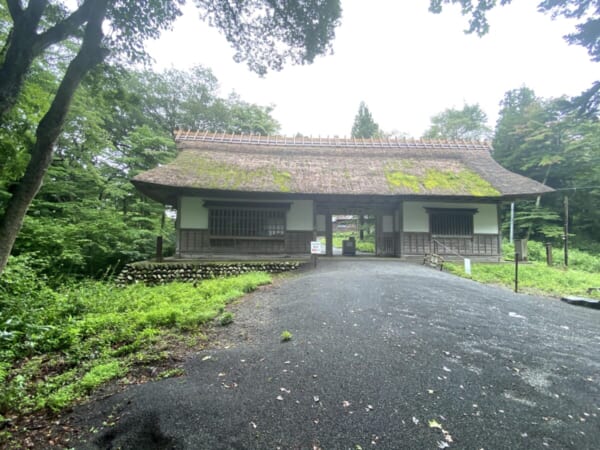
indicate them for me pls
(361, 222)
(328, 235)
(517, 256)
(512, 222)
(566, 231)
(549, 253)
(159, 248)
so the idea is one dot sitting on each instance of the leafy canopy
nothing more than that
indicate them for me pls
(586, 34)
(468, 123)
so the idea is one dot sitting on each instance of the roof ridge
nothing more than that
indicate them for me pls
(303, 141)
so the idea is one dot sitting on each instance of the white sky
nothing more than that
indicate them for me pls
(404, 62)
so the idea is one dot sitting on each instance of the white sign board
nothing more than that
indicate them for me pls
(315, 247)
(467, 266)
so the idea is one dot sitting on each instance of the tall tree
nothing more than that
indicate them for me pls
(87, 217)
(545, 140)
(467, 123)
(364, 126)
(297, 30)
(586, 34)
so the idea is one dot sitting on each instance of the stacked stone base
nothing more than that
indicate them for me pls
(160, 273)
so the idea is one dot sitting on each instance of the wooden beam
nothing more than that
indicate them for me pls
(328, 235)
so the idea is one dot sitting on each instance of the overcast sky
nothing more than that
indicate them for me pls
(404, 62)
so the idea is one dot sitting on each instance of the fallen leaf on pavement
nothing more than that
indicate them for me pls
(434, 424)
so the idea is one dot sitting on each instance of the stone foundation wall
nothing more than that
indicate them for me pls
(160, 273)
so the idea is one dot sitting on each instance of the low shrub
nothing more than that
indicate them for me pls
(57, 346)
(534, 277)
(578, 259)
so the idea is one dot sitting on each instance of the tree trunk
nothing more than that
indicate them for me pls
(24, 44)
(90, 54)
(19, 53)
(538, 200)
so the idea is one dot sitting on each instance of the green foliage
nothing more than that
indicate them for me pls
(171, 373)
(537, 277)
(578, 259)
(88, 218)
(297, 31)
(282, 180)
(268, 34)
(364, 126)
(401, 179)
(286, 336)
(461, 181)
(56, 346)
(544, 140)
(226, 319)
(403, 175)
(587, 33)
(221, 175)
(468, 123)
(100, 374)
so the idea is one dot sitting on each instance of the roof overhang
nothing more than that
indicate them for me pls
(169, 195)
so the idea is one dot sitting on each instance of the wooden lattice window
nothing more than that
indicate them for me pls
(451, 222)
(246, 219)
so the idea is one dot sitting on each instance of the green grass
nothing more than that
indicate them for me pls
(226, 319)
(536, 276)
(57, 347)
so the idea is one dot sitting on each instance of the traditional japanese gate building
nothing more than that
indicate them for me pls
(272, 195)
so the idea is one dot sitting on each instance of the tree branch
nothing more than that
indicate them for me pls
(90, 54)
(17, 53)
(64, 28)
(15, 8)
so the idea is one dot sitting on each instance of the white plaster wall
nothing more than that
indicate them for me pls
(416, 220)
(300, 216)
(388, 224)
(486, 220)
(321, 223)
(192, 214)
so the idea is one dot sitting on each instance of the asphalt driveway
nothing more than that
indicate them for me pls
(384, 355)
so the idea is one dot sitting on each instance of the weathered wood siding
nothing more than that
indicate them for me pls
(422, 243)
(298, 241)
(196, 242)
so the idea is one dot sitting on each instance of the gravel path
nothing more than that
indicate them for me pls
(384, 355)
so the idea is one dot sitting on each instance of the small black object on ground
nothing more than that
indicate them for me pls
(581, 301)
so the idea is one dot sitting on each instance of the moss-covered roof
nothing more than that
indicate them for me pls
(335, 167)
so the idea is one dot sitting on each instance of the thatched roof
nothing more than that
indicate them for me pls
(332, 166)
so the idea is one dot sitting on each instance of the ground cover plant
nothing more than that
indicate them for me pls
(58, 345)
(536, 277)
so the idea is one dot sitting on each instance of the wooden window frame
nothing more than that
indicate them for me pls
(450, 218)
(246, 220)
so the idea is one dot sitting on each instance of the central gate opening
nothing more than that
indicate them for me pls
(357, 228)
(351, 235)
